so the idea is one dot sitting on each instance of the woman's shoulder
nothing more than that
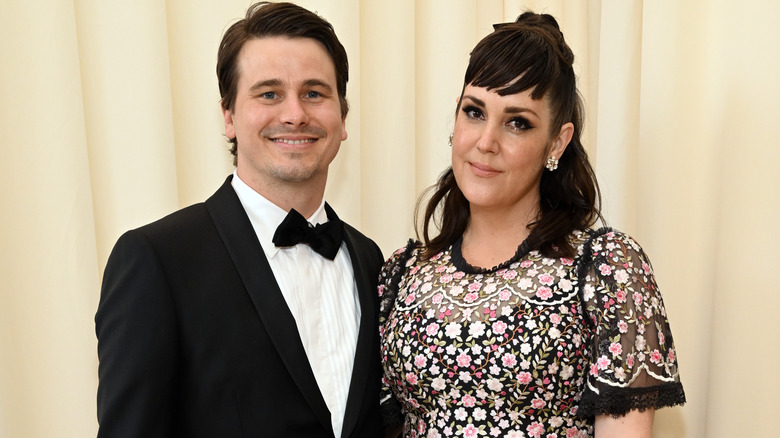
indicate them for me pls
(402, 254)
(605, 239)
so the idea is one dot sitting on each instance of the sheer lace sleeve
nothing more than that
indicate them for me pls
(633, 360)
(389, 279)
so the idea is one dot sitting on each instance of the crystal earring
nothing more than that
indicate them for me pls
(449, 142)
(552, 164)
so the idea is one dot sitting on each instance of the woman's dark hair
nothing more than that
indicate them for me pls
(530, 53)
(263, 20)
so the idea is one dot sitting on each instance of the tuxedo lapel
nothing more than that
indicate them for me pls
(368, 333)
(239, 237)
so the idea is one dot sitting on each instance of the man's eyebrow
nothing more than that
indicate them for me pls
(277, 82)
(317, 83)
(265, 83)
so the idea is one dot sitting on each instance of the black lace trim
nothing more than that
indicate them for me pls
(456, 256)
(583, 264)
(391, 292)
(392, 414)
(587, 252)
(619, 401)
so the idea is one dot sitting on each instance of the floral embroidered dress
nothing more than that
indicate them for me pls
(535, 347)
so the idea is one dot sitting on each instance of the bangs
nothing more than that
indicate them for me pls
(513, 59)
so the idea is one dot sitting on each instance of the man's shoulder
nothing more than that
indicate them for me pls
(180, 220)
(358, 237)
(362, 244)
(187, 219)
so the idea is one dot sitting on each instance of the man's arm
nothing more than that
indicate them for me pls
(137, 344)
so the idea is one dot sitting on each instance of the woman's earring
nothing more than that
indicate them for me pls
(450, 140)
(552, 164)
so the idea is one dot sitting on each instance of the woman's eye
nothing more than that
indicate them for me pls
(519, 124)
(472, 112)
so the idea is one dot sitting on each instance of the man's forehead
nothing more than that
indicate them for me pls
(269, 57)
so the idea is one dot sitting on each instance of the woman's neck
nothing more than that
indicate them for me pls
(492, 237)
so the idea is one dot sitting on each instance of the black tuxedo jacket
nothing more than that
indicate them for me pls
(196, 340)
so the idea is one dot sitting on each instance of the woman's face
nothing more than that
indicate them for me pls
(500, 146)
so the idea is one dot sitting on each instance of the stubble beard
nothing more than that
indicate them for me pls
(295, 172)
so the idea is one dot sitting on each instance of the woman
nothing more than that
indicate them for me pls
(517, 319)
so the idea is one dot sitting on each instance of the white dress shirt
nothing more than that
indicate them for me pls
(321, 295)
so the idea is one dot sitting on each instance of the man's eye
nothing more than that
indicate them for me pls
(313, 94)
(269, 95)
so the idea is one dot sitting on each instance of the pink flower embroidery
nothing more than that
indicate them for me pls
(621, 276)
(499, 327)
(509, 360)
(470, 297)
(523, 377)
(603, 363)
(546, 279)
(468, 401)
(432, 329)
(544, 293)
(655, 356)
(535, 429)
(464, 360)
(605, 269)
(621, 296)
(615, 349)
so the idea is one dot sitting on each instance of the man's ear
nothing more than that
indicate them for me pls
(230, 130)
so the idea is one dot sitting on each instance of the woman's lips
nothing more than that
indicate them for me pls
(483, 170)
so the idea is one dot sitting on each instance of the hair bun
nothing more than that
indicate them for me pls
(534, 19)
(549, 26)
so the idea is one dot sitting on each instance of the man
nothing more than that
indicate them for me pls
(214, 323)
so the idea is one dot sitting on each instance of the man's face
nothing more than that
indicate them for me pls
(287, 116)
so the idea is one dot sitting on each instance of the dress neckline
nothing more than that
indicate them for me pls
(456, 256)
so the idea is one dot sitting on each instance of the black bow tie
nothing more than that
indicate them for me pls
(323, 238)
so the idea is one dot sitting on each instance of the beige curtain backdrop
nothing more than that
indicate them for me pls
(109, 119)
